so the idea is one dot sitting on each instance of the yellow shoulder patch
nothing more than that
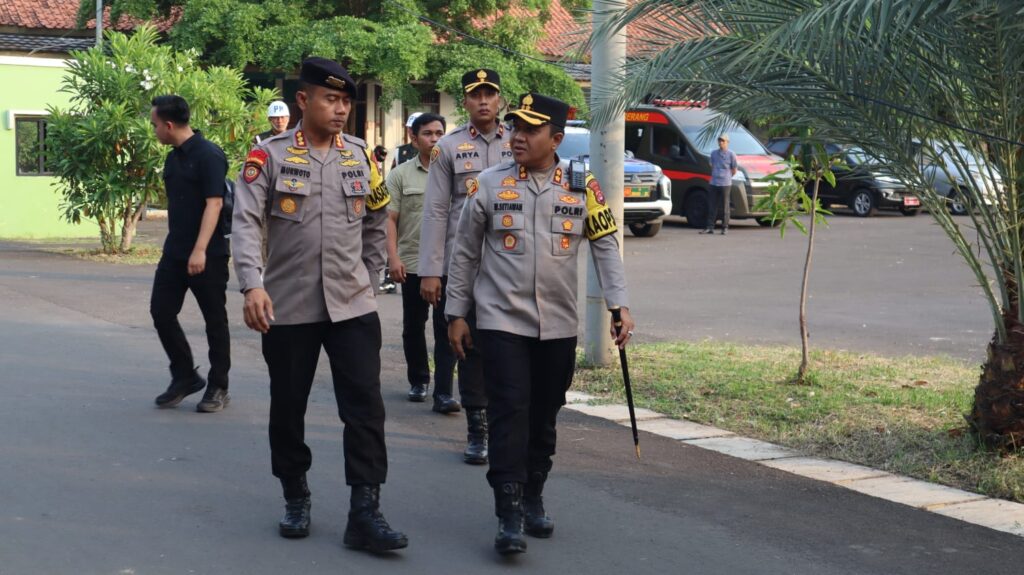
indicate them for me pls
(600, 221)
(379, 195)
(435, 154)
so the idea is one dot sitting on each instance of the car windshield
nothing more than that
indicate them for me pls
(741, 142)
(574, 144)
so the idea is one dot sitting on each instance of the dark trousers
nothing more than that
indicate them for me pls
(170, 284)
(415, 310)
(471, 369)
(353, 348)
(526, 383)
(718, 204)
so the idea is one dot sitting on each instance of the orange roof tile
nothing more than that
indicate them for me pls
(60, 15)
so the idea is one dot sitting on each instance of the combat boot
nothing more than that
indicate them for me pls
(295, 523)
(367, 529)
(476, 439)
(508, 506)
(537, 523)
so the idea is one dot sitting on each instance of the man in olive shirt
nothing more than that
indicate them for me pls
(406, 184)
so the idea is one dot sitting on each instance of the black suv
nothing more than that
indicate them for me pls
(861, 184)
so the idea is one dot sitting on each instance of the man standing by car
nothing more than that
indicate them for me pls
(723, 168)
(405, 213)
(195, 255)
(515, 261)
(326, 236)
(455, 162)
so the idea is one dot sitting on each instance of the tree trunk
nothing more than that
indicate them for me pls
(107, 239)
(801, 374)
(131, 220)
(997, 418)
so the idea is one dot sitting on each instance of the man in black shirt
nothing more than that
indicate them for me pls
(195, 255)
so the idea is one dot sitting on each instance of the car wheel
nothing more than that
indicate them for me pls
(958, 205)
(645, 229)
(908, 211)
(697, 209)
(863, 203)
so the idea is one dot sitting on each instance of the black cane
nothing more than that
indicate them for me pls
(617, 322)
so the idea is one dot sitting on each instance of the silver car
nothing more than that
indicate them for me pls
(952, 177)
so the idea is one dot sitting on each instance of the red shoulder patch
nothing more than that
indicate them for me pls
(257, 156)
(596, 188)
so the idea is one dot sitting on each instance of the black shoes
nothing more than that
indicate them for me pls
(476, 445)
(536, 522)
(508, 506)
(215, 399)
(295, 523)
(418, 393)
(180, 388)
(367, 529)
(446, 404)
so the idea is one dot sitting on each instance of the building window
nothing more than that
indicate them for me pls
(30, 134)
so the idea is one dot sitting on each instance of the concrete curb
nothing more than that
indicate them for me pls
(970, 507)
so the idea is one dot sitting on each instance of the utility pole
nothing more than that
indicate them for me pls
(607, 150)
(99, 23)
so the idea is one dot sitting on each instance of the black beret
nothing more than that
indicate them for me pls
(327, 73)
(482, 77)
(536, 110)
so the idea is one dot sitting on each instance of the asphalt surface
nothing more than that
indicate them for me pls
(96, 480)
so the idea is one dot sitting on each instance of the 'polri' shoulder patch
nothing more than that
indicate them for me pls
(435, 154)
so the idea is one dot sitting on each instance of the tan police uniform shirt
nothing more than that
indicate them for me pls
(457, 159)
(406, 183)
(326, 229)
(515, 252)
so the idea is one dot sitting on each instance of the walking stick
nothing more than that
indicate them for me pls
(617, 322)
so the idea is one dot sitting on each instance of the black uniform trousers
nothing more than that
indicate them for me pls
(415, 310)
(170, 284)
(353, 349)
(471, 369)
(718, 205)
(526, 381)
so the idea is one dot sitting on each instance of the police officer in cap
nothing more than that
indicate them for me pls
(326, 234)
(515, 263)
(278, 115)
(456, 161)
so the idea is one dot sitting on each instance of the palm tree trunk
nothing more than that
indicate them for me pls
(804, 336)
(997, 417)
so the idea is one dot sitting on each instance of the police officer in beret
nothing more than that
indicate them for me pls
(515, 264)
(456, 161)
(326, 233)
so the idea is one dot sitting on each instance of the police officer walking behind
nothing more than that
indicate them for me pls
(195, 255)
(278, 115)
(405, 212)
(327, 229)
(723, 168)
(456, 161)
(515, 262)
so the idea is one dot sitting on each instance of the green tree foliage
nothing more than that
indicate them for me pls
(379, 39)
(109, 163)
(897, 78)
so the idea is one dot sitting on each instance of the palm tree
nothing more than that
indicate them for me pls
(900, 79)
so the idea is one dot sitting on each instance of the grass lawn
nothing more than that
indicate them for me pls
(139, 254)
(903, 415)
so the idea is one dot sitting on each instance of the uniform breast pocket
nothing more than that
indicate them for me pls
(289, 198)
(466, 172)
(565, 235)
(507, 233)
(355, 198)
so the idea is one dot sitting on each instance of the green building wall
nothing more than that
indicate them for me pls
(30, 205)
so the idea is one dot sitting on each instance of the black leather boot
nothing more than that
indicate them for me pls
(508, 506)
(295, 523)
(367, 528)
(537, 523)
(476, 439)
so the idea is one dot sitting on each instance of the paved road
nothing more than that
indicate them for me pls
(95, 480)
(888, 284)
